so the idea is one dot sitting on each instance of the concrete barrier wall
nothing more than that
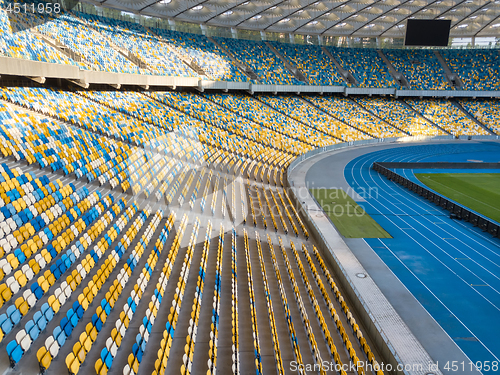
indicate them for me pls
(29, 68)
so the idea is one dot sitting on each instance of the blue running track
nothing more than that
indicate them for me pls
(452, 268)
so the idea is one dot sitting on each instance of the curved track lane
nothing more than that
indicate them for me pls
(451, 267)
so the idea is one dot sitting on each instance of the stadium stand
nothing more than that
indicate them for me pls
(365, 65)
(301, 111)
(355, 116)
(254, 110)
(17, 42)
(396, 113)
(420, 67)
(447, 116)
(205, 165)
(487, 111)
(264, 62)
(95, 50)
(477, 69)
(158, 57)
(313, 62)
(206, 54)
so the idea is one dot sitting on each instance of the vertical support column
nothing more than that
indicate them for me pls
(473, 41)
(292, 38)
(349, 40)
(320, 40)
(203, 29)
(172, 24)
(377, 41)
(234, 33)
(263, 36)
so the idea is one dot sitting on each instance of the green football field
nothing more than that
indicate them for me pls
(348, 217)
(478, 191)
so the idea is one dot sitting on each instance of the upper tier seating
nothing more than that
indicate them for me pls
(313, 62)
(365, 65)
(159, 56)
(397, 114)
(446, 115)
(206, 54)
(17, 42)
(420, 67)
(264, 62)
(93, 42)
(477, 69)
(96, 51)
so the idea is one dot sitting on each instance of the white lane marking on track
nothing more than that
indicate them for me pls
(447, 233)
(444, 305)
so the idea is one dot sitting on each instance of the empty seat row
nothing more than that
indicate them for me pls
(166, 183)
(187, 186)
(113, 342)
(135, 358)
(243, 200)
(357, 331)
(319, 315)
(251, 204)
(235, 347)
(187, 358)
(262, 212)
(272, 323)
(33, 294)
(332, 311)
(286, 307)
(176, 304)
(80, 349)
(303, 313)
(282, 219)
(206, 190)
(177, 183)
(295, 213)
(214, 325)
(53, 343)
(14, 283)
(270, 211)
(253, 313)
(294, 227)
(196, 190)
(214, 195)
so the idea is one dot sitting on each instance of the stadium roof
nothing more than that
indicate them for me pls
(359, 18)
